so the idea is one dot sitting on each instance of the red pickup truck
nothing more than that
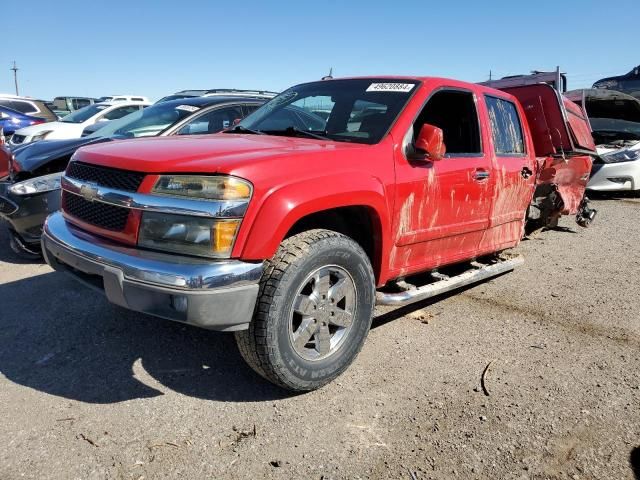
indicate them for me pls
(336, 195)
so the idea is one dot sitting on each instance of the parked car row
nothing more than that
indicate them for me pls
(34, 187)
(73, 124)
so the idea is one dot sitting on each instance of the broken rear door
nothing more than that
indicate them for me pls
(558, 126)
(562, 139)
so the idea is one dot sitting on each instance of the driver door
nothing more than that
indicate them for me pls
(443, 206)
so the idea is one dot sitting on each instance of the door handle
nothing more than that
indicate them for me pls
(526, 172)
(480, 175)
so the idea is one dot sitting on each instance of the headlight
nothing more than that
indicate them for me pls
(42, 184)
(40, 136)
(206, 188)
(190, 235)
(623, 156)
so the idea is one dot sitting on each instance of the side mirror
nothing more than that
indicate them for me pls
(431, 141)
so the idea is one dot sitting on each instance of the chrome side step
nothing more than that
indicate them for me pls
(476, 274)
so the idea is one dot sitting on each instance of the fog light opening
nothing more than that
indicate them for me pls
(179, 303)
(622, 180)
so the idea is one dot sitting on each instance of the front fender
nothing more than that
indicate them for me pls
(266, 224)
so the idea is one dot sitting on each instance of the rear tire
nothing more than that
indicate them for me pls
(313, 313)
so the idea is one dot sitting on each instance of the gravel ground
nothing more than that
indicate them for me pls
(90, 391)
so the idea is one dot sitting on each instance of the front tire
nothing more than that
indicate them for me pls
(313, 313)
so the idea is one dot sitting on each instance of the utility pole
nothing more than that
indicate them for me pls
(15, 76)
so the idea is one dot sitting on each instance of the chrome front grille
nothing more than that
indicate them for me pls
(98, 214)
(104, 176)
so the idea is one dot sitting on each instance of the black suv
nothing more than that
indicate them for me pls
(628, 83)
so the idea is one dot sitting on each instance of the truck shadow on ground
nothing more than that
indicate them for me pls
(634, 461)
(64, 339)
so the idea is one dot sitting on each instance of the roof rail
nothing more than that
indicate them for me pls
(235, 91)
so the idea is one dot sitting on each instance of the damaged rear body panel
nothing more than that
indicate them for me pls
(564, 149)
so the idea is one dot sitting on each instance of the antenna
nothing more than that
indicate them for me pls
(15, 76)
(330, 76)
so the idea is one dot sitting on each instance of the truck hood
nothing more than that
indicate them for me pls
(618, 146)
(219, 153)
(33, 156)
(614, 116)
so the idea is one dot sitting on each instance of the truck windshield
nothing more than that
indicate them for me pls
(351, 110)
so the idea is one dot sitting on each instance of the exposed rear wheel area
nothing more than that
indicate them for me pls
(313, 313)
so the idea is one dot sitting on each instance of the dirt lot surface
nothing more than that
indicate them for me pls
(88, 391)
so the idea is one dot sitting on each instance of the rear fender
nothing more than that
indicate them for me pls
(570, 176)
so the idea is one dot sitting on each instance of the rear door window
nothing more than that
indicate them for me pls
(506, 128)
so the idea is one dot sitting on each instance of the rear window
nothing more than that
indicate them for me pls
(19, 106)
(79, 103)
(505, 127)
(60, 103)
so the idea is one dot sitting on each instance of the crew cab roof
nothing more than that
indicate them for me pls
(427, 80)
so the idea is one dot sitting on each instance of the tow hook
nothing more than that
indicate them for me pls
(585, 215)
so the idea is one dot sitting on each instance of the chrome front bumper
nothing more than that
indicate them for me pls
(212, 294)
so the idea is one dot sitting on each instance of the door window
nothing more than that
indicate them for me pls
(453, 111)
(22, 107)
(79, 103)
(212, 121)
(505, 127)
(250, 109)
(120, 112)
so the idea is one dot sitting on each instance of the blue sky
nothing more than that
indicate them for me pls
(153, 48)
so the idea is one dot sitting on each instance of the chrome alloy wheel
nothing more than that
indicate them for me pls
(322, 313)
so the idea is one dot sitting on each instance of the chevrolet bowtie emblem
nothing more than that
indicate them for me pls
(89, 192)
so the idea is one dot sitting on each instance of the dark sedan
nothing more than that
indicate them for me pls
(33, 190)
(628, 83)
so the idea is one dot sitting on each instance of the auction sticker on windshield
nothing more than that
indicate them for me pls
(187, 108)
(390, 87)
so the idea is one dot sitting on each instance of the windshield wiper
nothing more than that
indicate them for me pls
(241, 129)
(296, 131)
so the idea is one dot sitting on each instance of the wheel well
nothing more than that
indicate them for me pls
(360, 223)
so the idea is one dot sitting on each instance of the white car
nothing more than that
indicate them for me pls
(615, 125)
(618, 167)
(72, 125)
